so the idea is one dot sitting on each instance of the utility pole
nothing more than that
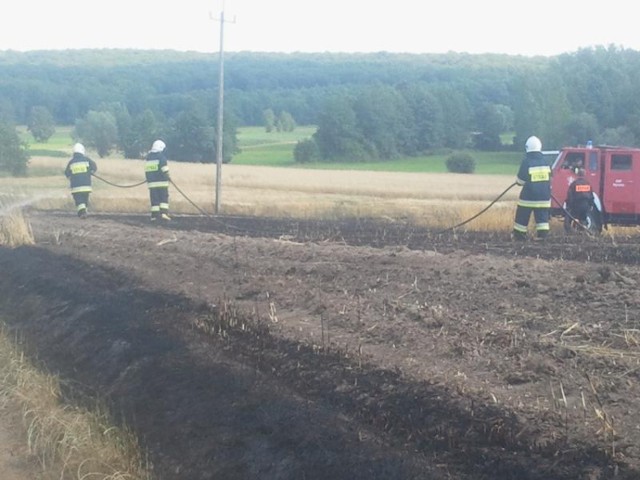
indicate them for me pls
(220, 116)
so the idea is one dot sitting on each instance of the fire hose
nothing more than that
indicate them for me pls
(481, 211)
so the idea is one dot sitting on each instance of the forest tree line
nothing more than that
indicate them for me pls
(366, 106)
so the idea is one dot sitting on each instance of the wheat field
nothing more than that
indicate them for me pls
(433, 199)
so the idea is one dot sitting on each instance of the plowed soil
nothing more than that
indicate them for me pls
(256, 348)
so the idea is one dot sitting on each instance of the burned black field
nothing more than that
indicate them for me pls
(246, 348)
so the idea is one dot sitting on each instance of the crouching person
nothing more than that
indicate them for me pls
(580, 200)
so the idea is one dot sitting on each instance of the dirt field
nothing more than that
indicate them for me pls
(246, 348)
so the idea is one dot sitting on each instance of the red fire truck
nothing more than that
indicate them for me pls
(614, 175)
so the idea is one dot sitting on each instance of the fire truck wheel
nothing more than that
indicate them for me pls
(592, 224)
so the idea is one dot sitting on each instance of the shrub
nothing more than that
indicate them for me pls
(306, 151)
(461, 163)
(14, 156)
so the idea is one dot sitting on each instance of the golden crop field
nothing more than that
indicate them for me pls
(435, 199)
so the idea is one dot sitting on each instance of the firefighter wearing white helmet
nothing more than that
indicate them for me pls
(79, 170)
(534, 176)
(156, 172)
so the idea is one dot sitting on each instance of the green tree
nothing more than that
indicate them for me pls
(191, 138)
(620, 136)
(383, 120)
(306, 151)
(461, 163)
(285, 122)
(136, 133)
(491, 124)
(581, 128)
(7, 110)
(337, 135)
(269, 119)
(14, 155)
(145, 129)
(41, 123)
(97, 130)
(456, 117)
(527, 113)
(542, 109)
(425, 127)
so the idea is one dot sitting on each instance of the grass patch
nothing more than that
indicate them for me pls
(69, 442)
(275, 149)
(487, 163)
(47, 153)
(256, 137)
(60, 141)
(15, 230)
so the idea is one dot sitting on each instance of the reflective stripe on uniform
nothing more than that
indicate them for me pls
(520, 228)
(540, 174)
(151, 165)
(542, 227)
(534, 203)
(79, 167)
(163, 184)
(81, 189)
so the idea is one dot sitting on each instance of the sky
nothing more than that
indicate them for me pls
(510, 27)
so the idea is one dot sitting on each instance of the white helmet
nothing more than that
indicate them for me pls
(78, 148)
(533, 144)
(158, 146)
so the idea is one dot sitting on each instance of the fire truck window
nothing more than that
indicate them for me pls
(593, 162)
(573, 160)
(620, 162)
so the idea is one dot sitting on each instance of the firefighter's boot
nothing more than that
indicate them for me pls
(518, 236)
(541, 235)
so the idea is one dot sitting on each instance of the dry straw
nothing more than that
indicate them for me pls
(438, 200)
(69, 442)
(15, 230)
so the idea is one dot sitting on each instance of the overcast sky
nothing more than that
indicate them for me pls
(513, 27)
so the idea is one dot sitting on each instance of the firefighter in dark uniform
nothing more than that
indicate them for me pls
(534, 176)
(157, 174)
(579, 199)
(79, 171)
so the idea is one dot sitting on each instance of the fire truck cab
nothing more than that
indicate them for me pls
(614, 175)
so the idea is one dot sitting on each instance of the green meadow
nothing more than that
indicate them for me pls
(275, 149)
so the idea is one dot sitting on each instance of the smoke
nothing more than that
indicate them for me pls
(11, 203)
